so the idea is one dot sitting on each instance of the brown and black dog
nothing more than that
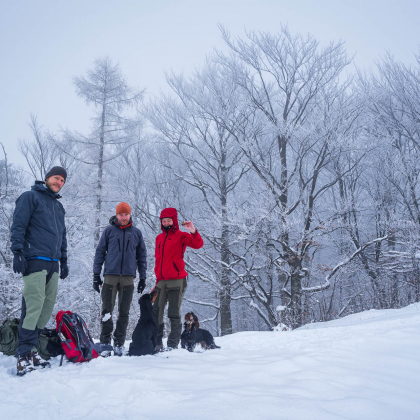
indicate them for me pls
(193, 334)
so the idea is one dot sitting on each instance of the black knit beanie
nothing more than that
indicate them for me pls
(57, 170)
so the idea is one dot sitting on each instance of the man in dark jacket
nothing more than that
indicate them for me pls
(171, 277)
(38, 237)
(122, 249)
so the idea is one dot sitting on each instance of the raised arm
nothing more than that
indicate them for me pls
(193, 240)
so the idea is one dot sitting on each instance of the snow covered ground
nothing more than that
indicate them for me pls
(364, 366)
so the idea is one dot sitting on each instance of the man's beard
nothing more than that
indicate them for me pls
(50, 184)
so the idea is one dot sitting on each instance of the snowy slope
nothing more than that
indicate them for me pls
(364, 366)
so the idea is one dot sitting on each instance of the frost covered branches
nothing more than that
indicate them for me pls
(114, 129)
(302, 179)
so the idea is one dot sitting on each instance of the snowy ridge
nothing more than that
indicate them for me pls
(363, 366)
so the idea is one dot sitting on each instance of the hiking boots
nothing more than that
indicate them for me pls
(30, 362)
(105, 344)
(39, 362)
(25, 364)
(119, 350)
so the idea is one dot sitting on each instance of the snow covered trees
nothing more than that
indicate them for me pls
(11, 179)
(113, 129)
(394, 94)
(302, 179)
(302, 124)
(204, 156)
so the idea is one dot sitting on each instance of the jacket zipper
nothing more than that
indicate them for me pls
(122, 258)
(119, 245)
(56, 228)
(128, 243)
(163, 249)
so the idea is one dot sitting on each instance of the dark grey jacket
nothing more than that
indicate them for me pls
(122, 249)
(38, 224)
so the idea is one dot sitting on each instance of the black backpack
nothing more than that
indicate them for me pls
(9, 336)
(49, 344)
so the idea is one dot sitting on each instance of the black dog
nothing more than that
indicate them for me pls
(145, 333)
(193, 334)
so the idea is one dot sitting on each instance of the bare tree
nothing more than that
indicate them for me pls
(394, 181)
(208, 161)
(39, 153)
(305, 119)
(11, 180)
(113, 129)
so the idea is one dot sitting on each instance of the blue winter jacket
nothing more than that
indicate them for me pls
(122, 249)
(38, 224)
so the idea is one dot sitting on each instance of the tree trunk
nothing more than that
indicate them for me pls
(296, 291)
(225, 292)
(100, 177)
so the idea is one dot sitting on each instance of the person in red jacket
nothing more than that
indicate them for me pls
(171, 277)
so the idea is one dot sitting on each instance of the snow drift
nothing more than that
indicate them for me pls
(364, 366)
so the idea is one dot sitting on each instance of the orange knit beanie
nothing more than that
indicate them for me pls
(123, 208)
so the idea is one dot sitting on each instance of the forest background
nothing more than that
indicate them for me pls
(300, 171)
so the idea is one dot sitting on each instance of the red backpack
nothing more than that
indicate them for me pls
(75, 338)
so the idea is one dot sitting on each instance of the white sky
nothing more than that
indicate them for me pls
(45, 43)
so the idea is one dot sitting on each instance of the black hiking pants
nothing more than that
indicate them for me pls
(124, 286)
(172, 292)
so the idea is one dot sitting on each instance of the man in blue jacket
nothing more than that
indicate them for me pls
(38, 237)
(122, 249)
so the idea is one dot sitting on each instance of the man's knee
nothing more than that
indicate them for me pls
(50, 297)
(126, 300)
(106, 296)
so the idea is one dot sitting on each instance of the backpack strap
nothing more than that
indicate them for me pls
(73, 330)
(84, 326)
(62, 338)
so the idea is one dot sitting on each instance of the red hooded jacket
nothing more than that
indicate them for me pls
(170, 248)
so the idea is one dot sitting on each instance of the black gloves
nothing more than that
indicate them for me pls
(97, 282)
(141, 286)
(19, 262)
(64, 268)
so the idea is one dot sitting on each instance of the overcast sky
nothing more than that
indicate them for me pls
(45, 43)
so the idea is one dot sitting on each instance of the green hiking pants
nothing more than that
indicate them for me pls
(172, 292)
(39, 298)
(124, 286)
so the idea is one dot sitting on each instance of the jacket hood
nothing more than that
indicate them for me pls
(173, 214)
(40, 186)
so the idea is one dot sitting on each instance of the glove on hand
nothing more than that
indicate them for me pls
(19, 262)
(64, 268)
(97, 282)
(141, 286)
